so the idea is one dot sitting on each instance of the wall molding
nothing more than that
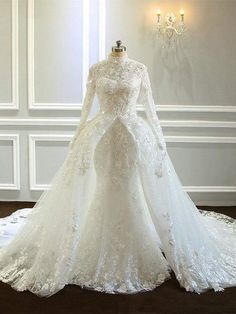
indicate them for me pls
(192, 108)
(75, 121)
(102, 28)
(14, 104)
(201, 139)
(187, 188)
(32, 104)
(210, 189)
(33, 138)
(85, 57)
(198, 124)
(166, 108)
(16, 162)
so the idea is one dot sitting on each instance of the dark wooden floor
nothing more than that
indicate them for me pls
(169, 298)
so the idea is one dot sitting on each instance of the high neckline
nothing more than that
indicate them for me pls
(117, 59)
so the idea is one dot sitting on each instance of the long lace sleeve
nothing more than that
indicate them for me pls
(146, 99)
(87, 104)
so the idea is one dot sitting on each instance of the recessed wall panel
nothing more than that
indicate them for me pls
(49, 157)
(204, 164)
(6, 162)
(58, 58)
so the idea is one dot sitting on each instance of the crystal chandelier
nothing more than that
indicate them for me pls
(170, 29)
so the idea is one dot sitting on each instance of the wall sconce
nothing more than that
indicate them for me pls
(170, 29)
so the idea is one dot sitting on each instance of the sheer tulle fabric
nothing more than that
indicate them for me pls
(116, 205)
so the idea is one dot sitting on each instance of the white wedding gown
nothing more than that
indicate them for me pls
(116, 218)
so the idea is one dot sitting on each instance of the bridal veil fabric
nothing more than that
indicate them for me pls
(116, 218)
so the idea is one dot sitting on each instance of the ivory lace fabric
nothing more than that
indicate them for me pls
(116, 218)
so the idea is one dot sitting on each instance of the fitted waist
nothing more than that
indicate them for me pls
(122, 114)
(118, 109)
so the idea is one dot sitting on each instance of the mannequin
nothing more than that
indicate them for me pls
(118, 50)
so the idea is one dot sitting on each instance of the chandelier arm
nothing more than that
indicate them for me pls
(172, 28)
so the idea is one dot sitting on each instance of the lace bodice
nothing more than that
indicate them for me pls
(120, 83)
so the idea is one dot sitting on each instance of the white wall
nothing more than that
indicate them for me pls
(194, 87)
(47, 47)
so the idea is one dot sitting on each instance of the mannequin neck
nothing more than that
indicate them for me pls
(118, 53)
(118, 57)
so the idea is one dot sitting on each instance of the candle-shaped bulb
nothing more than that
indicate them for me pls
(181, 12)
(158, 15)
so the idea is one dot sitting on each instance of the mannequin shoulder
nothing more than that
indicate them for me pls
(137, 67)
(97, 66)
(137, 64)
